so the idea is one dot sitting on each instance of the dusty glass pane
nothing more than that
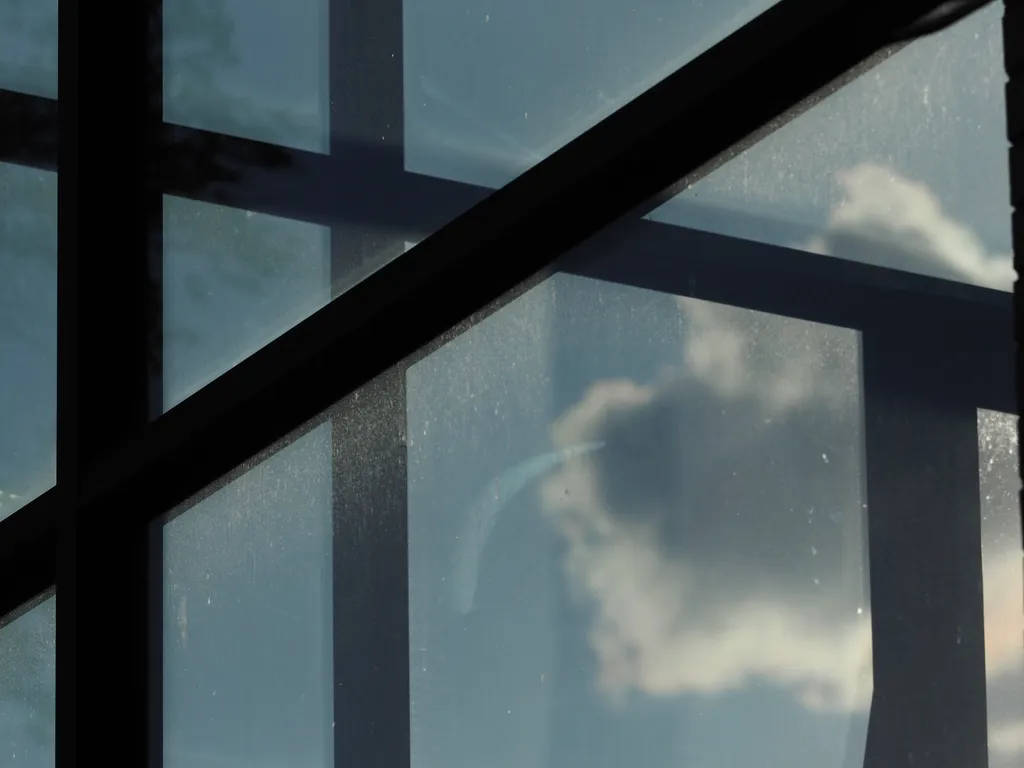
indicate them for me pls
(233, 281)
(1004, 587)
(636, 530)
(28, 680)
(28, 334)
(28, 46)
(494, 86)
(250, 68)
(905, 167)
(247, 640)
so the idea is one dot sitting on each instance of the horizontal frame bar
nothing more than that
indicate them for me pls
(300, 185)
(938, 321)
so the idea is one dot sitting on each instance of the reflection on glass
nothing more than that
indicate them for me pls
(904, 167)
(28, 334)
(247, 617)
(250, 68)
(233, 281)
(1004, 587)
(28, 643)
(636, 532)
(492, 87)
(28, 47)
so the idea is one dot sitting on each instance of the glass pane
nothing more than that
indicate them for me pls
(636, 530)
(247, 639)
(905, 167)
(250, 68)
(28, 46)
(1004, 587)
(494, 86)
(28, 679)
(28, 334)
(233, 281)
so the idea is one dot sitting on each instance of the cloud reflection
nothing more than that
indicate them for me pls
(887, 219)
(710, 564)
(720, 537)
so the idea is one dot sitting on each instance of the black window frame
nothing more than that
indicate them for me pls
(118, 470)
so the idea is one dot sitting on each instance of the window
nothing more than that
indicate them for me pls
(507, 384)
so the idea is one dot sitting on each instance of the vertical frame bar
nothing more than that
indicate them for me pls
(370, 556)
(66, 747)
(1013, 49)
(371, 589)
(924, 538)
(150, 567)
(107, 308)
(366, 128)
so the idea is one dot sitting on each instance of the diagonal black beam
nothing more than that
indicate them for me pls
(28, 552)
(28, 130)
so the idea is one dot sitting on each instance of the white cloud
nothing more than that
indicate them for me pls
(893, 221)
(1008, 739)
(781, 362)
(665, 624)
(753, 388)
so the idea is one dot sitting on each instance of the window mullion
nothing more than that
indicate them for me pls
(924, 540)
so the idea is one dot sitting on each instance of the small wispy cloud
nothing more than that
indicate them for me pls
(890, 220)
